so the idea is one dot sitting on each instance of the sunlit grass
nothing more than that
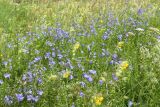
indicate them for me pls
(82, 53)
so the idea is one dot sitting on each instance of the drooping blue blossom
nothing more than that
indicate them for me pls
(130, 103)
(61, 63)
(81, 94)
(37, 59)
(5, 63)
(90, 62)
(120, 37)
(85, 75)
(40, 92)
(92, 71)
(114, 77)
(8, 100)
(44, 68)
(29, 76)
(32, 98)
(29, 97)
(105, 53)
(44, 33)
(73, 105)
(28, 33)
(70, 65)
(105, 36)
(47, 55)
(39, 81)
(35, 99)
(83, 84)
(48, 43)
(34, 74)
(79, 65)
(101, 82)
(1, 82)
(71, 77)
(88, 77)
(24, 77)
(60, 56)
(50, 29)
(53, 54)
(51, 62)
(158, 37)
(7, 75)
(117, 21)
(140, 11)
(19, 97)
(89, 48)
(66, 35)
(93, 30)
(111, 62)
(114, 57)
(38, 36)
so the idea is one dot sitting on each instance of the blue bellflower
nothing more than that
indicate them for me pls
(19, 97)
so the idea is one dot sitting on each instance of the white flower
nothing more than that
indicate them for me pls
(139, 29)
(154, 29)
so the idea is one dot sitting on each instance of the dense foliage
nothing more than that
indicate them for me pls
(79, 53)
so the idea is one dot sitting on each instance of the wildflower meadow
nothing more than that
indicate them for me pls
(79, 53)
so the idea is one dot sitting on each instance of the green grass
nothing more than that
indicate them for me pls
(55, 47)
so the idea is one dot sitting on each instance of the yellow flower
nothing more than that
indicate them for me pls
(53, 77)
(124, 65)
(76, 46)
(98, 99)
(120, 44)
(102, 78)
(66, 74)
(101, 21)
(1, 55)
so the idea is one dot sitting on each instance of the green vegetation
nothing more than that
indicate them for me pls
(79, 53)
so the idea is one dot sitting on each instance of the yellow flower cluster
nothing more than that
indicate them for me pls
(75, 47)
(120, 44)
(102, 78)
(66, 74)
(124, 65)
(101, 21)
(1, 55)
(98, 99)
